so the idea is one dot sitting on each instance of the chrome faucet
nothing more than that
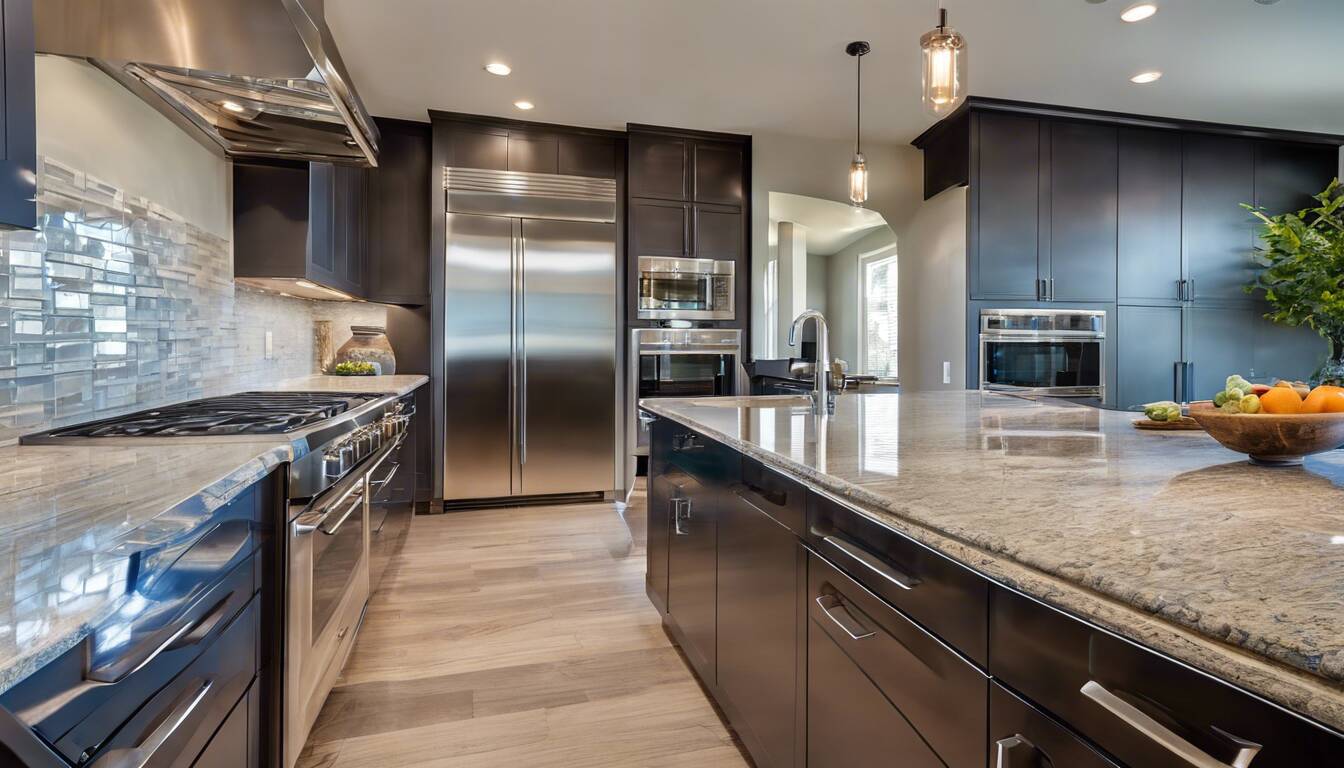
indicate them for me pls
(823, 397)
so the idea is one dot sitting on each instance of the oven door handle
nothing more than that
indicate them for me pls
(355, 504)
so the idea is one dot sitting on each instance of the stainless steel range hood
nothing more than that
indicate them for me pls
(260, 78)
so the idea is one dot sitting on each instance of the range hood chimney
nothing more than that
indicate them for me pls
(260, 78)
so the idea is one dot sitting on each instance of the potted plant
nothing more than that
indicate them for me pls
(1303, 276)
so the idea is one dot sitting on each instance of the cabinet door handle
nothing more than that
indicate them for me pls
(839, 614)
(871, 562)
(1177, 382)
(1016, 752)
(681, 512)
(1040, 289)
(1188, 381)
(1051, 283)
(1164, 736)
(1190, 289)
(141, 754)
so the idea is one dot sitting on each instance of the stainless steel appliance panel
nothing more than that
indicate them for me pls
(677, 362)
(479, 316)
(685, 289)
(1042, 351)
(567, 361)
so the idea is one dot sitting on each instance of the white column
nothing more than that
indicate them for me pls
(792, 271)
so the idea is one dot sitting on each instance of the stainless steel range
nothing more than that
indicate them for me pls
(346, 449)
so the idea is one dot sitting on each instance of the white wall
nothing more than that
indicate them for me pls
(932, 293)
(88, 121)
(843, 293)
(820, 168)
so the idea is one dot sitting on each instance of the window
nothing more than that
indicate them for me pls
(877, 307)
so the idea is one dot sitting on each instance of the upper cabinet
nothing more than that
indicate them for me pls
(1149, 208)
(18, 118)
(1005, 208)
(1082, 229)
(719, 173)
(398, 228)
(659, 166)
(528, 148)
(1217, 234)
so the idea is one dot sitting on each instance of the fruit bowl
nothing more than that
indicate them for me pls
(1273, 439)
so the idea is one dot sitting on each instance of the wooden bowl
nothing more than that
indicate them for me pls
(1272, 439)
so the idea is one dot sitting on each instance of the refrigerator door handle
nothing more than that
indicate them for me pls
(522, 351)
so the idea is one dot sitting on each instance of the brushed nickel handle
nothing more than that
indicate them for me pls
(1164, 736)
(1016, 752)
(141, 754)
(836, 610)
(871, 562)
(355, 504)
(681, 512)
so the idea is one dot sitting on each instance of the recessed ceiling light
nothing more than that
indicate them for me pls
(524, 104)
(1138, 12)
(232, 106)
(1145, 77)
(498, 68)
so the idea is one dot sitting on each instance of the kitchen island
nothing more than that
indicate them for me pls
(1166, 540)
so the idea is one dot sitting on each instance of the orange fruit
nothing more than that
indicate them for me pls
(1315, 402)
(1335, 403)
(1281, 400)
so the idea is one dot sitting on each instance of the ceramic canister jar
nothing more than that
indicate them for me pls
(368, 344)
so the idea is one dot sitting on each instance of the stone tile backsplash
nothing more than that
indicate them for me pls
(115, 303)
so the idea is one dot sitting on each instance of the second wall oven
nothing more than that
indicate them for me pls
(1043, 351)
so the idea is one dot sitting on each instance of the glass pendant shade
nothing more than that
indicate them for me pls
(858, 180)
(944, 54)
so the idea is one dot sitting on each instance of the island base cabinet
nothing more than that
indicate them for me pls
(691, 581)
(849, 722)
(1021, 736)
(759, 565)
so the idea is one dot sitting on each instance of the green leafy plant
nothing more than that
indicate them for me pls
(354, 369)
(1303, 276)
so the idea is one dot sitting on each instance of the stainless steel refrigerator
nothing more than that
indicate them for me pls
(530, 341)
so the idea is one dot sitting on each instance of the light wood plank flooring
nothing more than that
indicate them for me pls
(519, 637)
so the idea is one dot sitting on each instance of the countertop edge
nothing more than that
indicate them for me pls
(210, 498)
(1295, 689)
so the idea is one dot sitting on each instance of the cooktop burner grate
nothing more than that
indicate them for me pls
(262, 413)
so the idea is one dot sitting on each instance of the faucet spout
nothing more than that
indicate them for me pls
(823, 398)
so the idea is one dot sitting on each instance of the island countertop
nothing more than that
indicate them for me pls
(1166, 538)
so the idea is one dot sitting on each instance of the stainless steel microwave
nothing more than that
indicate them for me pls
(685, 289)
(1043, 351)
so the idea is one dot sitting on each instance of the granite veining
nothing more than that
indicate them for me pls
(1166, 538)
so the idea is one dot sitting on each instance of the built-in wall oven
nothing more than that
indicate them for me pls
(1043, 351)
(679, 362)
(685, 289)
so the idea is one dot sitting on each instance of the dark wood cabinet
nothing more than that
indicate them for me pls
(18, 117)
(1150, 355)
(719, 173)
(234, 744)
(691, 575)
(759, 564)
(658, 166)
(398, 228)
(1005, 208)
(1083, 201)
(533, 154)
(1287, 174)
(718, 233)
(1149, 216)
(1021, 736)
(471, 146)
(660, 228)
(587, 156)
(1218, 174)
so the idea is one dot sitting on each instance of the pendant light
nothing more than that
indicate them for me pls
(858, 168)
(944, 66)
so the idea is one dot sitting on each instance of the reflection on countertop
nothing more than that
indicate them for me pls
(1187, 542)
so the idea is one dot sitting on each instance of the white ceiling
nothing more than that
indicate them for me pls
(831, 226)
(779, 66)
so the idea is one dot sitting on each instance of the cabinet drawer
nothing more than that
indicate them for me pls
(1021, 736)
(233, 746)
(1139, 706)
(175, 725)
(944, 596)
(76, 701)
(774, 494)
(942, 695)
(702, 458)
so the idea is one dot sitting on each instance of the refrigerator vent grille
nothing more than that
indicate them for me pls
(519, 184)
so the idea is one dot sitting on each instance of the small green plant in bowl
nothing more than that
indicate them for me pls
(353, 368)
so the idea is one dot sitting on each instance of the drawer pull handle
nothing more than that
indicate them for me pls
(872, 562)
(1136, 719)
(839, 614)
(140, 755)
(178, 637)
(1016, 752)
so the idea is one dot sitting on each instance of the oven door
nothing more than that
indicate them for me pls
(686, 289)
(681, 374)
(1067, 366)
(328, 587)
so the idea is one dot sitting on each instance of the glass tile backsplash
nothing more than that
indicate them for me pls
(115, 303)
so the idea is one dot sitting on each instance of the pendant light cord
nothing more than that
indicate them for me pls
(858, 106)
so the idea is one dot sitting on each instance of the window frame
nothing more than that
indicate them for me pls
(885, 253)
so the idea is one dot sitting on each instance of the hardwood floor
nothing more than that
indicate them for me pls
(519, 637)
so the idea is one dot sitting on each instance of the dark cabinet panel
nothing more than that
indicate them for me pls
(658, 166)
(662, 488)
(718, 173)
(398, 225)
(1149, 236)
(533, 154)
(231, 746)
(758, 566)
(585, 156)
(691, 581)
(1287, 175)
(18, 118)
(1220, 341)
(270, 220)
(1218, 174)
(1284, 352)
(1006, 182)
(849, 722)
(1083, 190)
(1149, 351)
(472, 148)
(1021, 735)
(659, 229)
(718, 234)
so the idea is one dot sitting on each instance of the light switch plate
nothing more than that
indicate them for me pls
(947, 372)
(269, 347)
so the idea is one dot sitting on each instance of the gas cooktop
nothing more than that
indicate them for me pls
(245, 413)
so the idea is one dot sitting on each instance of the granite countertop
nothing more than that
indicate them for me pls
(1166, 538)
(72, 515)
